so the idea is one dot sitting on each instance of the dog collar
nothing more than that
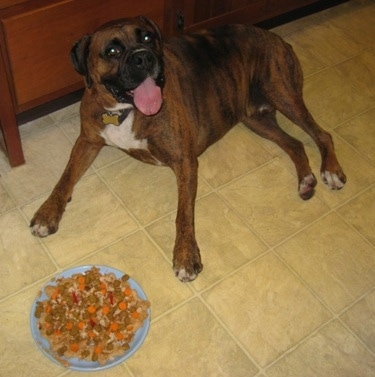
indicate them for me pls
(116, 117)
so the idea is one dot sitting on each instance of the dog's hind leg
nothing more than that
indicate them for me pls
(283, 90)
(264, 123)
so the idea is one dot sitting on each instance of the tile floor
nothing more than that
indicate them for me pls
(288, 286)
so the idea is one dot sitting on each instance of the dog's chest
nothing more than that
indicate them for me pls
(122, 135)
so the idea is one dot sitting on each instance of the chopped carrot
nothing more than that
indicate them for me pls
(106, 309)
(69, 325)
(48, 309)
(113, 326)
(119, 336)
(130, 327)
(81, 325)
(127, 291)
(55, 294)
(98, 349)
(91, 309)
(135, 315)
(74, 347)
(122, 305)
(91, 334)
(58, 332)
(81, 280)
(47, 325)
(81, 287)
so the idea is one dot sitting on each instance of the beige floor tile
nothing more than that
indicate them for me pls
(268, 200)
(6, 202)
(360, 213)
(93, 219)
(361, 319)
(331, 97)
(234, 155)
(332, 351)
(359, 172)
(46, 159)
(189, 341)
(360, 70)
(225, 242)
(119, 370)
(35, 126)
(334, 261)
(329, 44)
(355, 21)
(148, 191)
(20, 356)
(137, 256)
(267, 308)
(17, 246)
(360, 133)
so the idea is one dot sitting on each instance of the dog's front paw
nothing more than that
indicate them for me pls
(187, 266)
(46, 220)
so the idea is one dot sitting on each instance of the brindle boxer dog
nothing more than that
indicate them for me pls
(165, 104)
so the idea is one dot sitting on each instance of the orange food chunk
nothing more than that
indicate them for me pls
(135, 315)
(69, 325)
(81, 325)
(127, 291)
(106, 309)
(98, 350)
(122, 305)
(113, 327)
(74, 347)
(91, 334)
(119, 336)
(91, 309)
(81, 280)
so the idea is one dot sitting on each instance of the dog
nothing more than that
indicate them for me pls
(165, 103)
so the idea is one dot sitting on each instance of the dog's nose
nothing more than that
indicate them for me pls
(142, 60)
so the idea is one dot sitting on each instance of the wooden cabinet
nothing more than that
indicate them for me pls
(36, 37)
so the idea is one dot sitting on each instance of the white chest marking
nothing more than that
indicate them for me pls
(122, 136)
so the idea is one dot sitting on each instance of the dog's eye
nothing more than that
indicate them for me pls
(147, 38)
(113, 51)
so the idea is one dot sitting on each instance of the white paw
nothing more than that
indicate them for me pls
(39, 230)
(184, 276)
(332, 180)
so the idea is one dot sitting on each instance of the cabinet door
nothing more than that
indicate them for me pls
(38, 42)
(214, 12)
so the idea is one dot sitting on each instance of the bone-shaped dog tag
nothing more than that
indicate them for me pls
(110, 119)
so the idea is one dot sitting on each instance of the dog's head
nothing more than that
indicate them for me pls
(123, 59)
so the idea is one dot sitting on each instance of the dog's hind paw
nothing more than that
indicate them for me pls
(306, 187)
(332, 180)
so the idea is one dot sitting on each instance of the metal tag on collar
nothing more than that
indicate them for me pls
(115, 118)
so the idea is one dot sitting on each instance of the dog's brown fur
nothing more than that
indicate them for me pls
(211, 81)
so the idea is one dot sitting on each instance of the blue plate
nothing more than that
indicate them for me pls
(75, 363)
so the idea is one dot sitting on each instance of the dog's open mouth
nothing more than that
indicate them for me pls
(147, 97)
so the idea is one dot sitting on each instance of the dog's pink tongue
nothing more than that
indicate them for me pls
(147, 97)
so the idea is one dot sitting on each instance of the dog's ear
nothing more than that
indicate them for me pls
(79, 55)
(155, 28)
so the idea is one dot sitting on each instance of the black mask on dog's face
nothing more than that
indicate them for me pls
(125, 57)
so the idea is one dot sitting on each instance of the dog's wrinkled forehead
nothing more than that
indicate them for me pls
(128, 33)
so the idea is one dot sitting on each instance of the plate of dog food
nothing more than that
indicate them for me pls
(90, 318)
